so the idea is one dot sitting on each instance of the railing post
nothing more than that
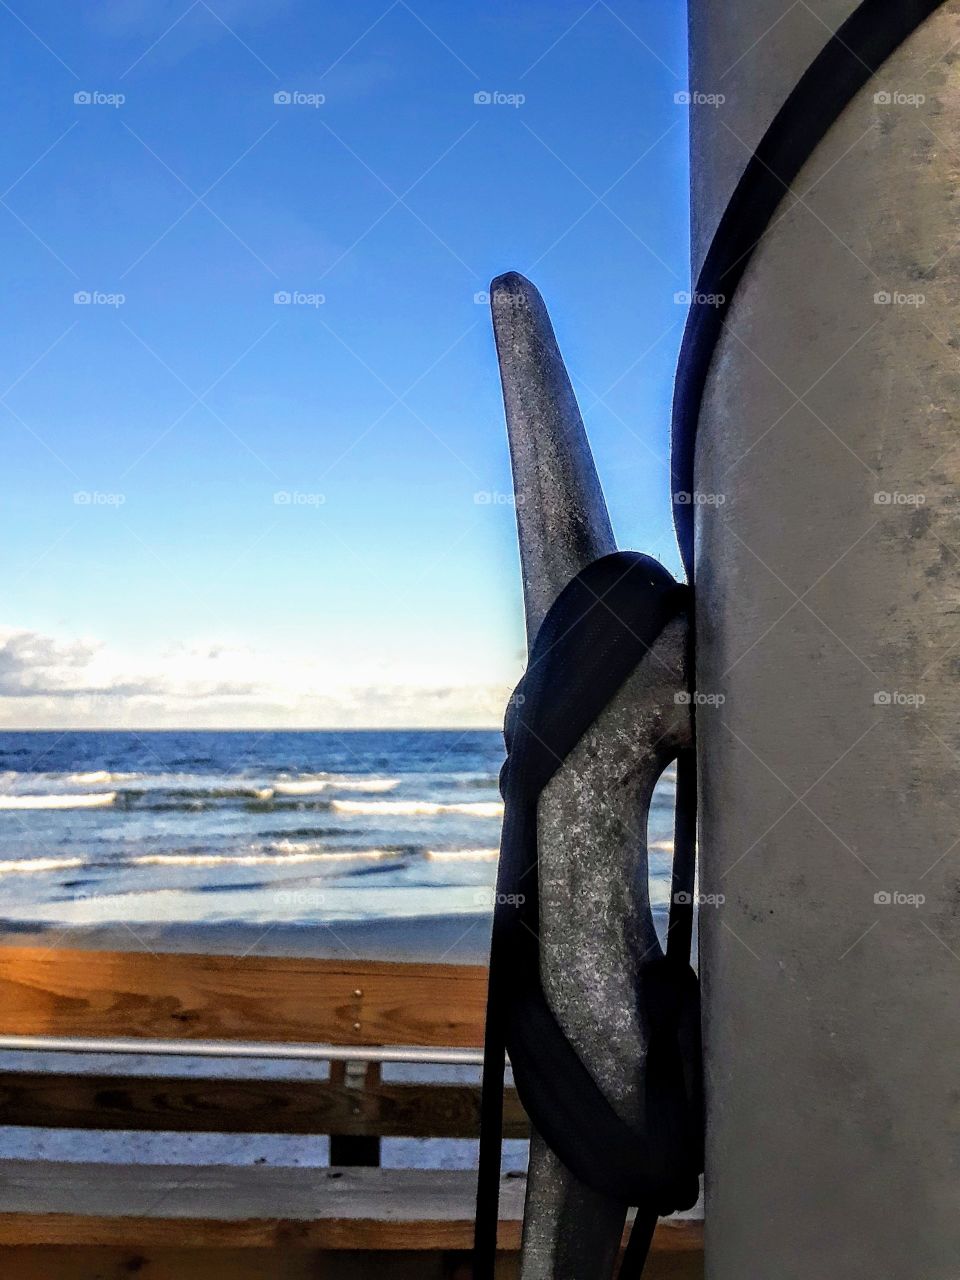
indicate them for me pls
(356, 1150)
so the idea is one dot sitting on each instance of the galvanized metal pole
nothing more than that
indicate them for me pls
(595, 920)
(828, 618)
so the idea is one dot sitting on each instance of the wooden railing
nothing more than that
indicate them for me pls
(61, 992)
(95, 1214)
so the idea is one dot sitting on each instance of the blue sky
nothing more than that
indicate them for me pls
(151, 576)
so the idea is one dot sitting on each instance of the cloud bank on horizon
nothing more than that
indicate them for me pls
(49, 682)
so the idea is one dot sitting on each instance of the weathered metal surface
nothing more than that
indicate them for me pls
(827, 608)
(562, 518)
(595, 916)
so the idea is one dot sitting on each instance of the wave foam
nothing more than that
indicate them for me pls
(25, 866)
(462, 855)
(88, 800)
(291, 853)
(313, 786)
(418, 808)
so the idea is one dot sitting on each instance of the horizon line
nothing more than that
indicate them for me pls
(473, 728)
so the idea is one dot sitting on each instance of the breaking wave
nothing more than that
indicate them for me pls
(26, 866)
(169, 791)
(462, 855)
(62, 800)
(419, 808)
(288, 852)
(313, 786)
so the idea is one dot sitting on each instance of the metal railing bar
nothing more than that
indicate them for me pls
(241, 1049)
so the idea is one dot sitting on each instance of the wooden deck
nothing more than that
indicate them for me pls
(256, 1208)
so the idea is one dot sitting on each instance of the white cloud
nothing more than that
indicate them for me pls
(67, 682)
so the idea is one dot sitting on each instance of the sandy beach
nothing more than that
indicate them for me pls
(432, 939)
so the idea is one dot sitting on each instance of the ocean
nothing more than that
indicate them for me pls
(209, 827)
(193, 829)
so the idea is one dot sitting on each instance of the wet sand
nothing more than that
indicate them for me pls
(430, 939)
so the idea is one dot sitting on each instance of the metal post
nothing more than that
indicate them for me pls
(594, 909)
(827, 619)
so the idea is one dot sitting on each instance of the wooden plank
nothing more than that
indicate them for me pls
(192, 1105)
(261, 1207)
(148, 1206)
(59, 1262)
(67, 992)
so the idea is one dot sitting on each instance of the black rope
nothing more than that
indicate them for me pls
(596, 633)
(587, 652)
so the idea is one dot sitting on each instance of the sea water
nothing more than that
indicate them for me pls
(254, 828)
(257, 827)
